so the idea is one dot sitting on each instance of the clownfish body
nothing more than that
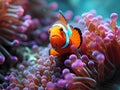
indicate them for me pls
(63, 36)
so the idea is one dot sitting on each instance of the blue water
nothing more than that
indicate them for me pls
(102, 7)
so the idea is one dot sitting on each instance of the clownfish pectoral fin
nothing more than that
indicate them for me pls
(53, 52)
(76, 37)
(62, 18)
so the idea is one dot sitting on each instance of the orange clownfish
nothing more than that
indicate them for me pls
(63, 36)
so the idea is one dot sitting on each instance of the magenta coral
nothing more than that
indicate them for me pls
(44, 16)
(102, 36)
(18, 30)
(99, 53)
(23, 30)
(95, 63)
(34, 72)
(12, 32)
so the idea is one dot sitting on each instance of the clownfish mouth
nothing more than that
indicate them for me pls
(53, 36)
(55, 41)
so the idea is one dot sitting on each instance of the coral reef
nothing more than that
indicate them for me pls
(19, 28)
(23, 28)
(97, 64)
(12, 33)
(44, 16)
(99, 53)
(12, 29)
(24, 25)
(34, 71)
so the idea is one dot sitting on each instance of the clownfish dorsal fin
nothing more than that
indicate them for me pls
(62, 18)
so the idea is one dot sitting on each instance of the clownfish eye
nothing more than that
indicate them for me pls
(61, 29)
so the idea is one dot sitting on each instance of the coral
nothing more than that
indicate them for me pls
(97, 63)
(102, 36)
(12, 29)
(42, 10)
(99, 53)
(34, 71)
(44, 16)
(24, 26)
(17, 28)
(23, 30)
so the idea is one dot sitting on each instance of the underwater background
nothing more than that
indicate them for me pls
(25, 62)
(102, 7)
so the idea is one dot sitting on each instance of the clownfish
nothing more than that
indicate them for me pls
(62, 36)
(3, 4)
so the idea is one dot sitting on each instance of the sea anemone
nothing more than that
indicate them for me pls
(11, 29)
(95, 67)
(44, 16)
(22, 30)
(35, 70)
(99, 59)
(17, 30)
